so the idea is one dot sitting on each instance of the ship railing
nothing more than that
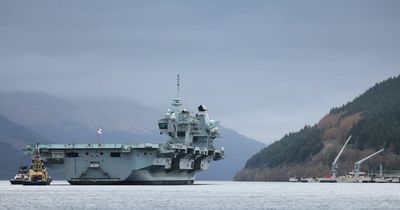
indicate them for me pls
(385, 173)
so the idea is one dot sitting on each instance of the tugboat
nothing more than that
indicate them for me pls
(37, 174)
(21, 175)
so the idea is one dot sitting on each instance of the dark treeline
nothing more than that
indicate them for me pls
(292, 148)
(380, 108)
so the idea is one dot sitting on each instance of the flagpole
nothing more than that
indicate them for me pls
(98, 132)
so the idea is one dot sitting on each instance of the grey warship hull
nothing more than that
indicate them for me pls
(127, 164)
(128, 182)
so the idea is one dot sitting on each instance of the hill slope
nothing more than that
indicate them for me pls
(373, 119)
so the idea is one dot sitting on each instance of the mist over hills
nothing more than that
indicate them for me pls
(61, 120)
(76, 120)
(373, 120)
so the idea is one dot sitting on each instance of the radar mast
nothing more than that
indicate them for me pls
(176, 102)
(177, 84)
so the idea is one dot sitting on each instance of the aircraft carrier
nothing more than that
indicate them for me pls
(188, 151)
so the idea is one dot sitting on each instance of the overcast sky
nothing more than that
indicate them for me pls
(264, 68)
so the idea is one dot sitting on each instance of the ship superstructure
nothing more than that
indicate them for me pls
(21, 176)
(188, 151)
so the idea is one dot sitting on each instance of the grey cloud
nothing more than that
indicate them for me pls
(294, 59)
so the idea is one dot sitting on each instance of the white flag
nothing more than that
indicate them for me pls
(99, 130)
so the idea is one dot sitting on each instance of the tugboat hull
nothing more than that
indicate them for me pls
(16, 181)
(35, 183)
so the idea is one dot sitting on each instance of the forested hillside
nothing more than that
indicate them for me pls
(292, 148)
(373, 119)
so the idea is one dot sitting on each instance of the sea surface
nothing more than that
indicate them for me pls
(203, 195)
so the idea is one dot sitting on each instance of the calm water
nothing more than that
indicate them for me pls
(203, 195)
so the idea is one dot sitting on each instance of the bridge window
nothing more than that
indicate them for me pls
(163, 125)
(181, 133)
(115, 154)
(72, 154)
